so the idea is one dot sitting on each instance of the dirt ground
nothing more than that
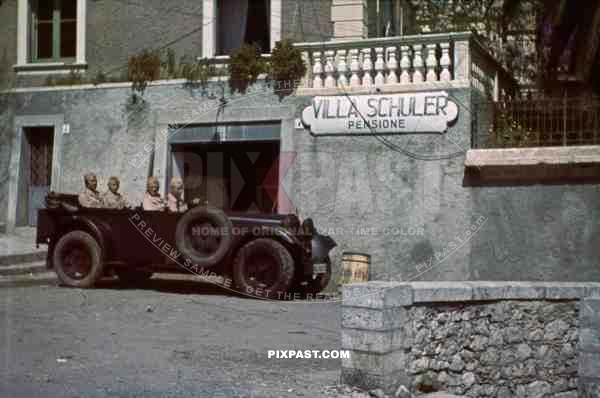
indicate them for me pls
(163, 339)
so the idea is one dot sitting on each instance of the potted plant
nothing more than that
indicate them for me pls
(141, 69)
(245, 65)
(287, 67)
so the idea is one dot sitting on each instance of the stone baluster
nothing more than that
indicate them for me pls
(317, 70)
(392, 65)
(417, 63)
(329, 69)
(306, 79)
(404, 65)
(342, 68)
(431, 63)
(379, 67)
(354, 68)
(367, 67)
(461, 66)
(445, 63)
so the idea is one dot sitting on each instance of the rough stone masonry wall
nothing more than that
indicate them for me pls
(478, 339)
(495, 349)
(589, 347)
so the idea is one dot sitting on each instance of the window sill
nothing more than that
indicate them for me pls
(46, 68)
(530, 166)
(533, 156)
(224, 58)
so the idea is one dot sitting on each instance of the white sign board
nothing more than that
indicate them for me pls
(423, 112)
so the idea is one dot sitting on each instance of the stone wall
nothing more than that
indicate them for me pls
(479, 339)
(503, 348)
(589, 347)
(306, 21)
(117, 30)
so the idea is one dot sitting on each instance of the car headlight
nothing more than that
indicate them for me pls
(308, 227)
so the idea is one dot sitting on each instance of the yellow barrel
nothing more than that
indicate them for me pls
(355, 268)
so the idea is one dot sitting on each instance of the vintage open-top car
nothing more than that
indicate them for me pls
(266, 255)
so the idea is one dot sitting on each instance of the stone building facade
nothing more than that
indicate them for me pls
(403, 196)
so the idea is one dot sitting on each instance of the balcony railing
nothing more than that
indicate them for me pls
(405, 62)
(401, 63)
(538, 122)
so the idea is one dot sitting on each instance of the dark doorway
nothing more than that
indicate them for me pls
(38, 173)
(236, 176)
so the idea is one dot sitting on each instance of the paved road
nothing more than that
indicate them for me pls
(167, 339)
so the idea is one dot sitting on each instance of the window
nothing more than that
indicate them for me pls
(53, 30)
(242, 21)
(387, 17)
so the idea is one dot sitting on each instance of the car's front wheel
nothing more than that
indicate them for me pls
(263, 268)
(77, 259)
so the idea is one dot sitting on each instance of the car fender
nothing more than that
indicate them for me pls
(321, 246)
(97, 228)
(288, 239)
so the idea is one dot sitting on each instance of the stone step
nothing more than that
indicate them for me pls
(24, 268)
(22, 258)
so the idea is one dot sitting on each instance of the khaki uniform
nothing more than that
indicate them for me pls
(174, 205)
(153, 203)
(89, 198)
(113, 201)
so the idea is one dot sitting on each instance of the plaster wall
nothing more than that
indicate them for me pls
(446, 230)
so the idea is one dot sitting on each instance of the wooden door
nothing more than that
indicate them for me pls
(40, 141)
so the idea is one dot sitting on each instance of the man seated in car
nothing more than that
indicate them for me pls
(152, 199)
(112, 199)
(90, 197)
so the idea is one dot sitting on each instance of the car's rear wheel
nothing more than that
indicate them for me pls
(77, 259)
(204, 235)
(132, 276)
(263, 268)
(309, 287)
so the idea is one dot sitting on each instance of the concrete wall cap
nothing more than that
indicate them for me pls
(532, 156)
(379, 294)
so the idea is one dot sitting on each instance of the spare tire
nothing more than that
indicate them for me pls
(77, 259)
(204, 235)
(264, 268)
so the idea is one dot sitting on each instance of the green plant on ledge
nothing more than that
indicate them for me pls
(287, 67)
(141, 69)
(198, 73)
(508, 132)
(245, 65)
